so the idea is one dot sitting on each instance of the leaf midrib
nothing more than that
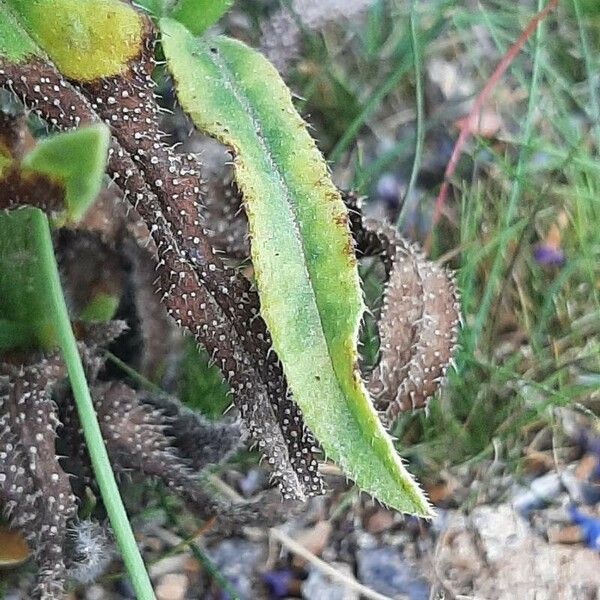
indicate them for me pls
(225, 68)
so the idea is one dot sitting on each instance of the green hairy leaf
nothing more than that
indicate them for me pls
(302, 251)
(196, 15)
(15, 44)
(199, 15)
(86, 40)
(155, 8)
(77, 159)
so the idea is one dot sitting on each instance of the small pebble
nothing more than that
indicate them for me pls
(95, 592)
(172, 587)
(318, 585)
(387, 572)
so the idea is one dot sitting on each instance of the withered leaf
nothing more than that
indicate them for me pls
(35, 492)
(216, 304)
(419, 322)
(19, 187)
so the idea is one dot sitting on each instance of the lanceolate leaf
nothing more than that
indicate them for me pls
(301, 249)
(166, 189)
(85, 40)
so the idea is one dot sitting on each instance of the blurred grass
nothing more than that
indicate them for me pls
(530, 341)
(200, 384)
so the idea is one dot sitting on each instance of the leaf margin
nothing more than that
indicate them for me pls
(399, 491)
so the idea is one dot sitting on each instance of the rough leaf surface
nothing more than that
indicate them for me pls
(301, 249)
(35, 492)
(201, 294)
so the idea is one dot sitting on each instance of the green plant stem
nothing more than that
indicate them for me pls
(416, 53)
(213, 571)
(144, 381)
(87, 416)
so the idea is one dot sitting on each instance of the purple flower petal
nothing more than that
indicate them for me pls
(549, 256)
(278, 582)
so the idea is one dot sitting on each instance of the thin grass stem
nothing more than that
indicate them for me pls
(87, 417)
(517, 184)
(416, 166)
(213, 571)
(591, 74)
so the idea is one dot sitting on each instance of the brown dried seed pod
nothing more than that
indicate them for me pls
(194, 308)
(139, 436)
(402, 310)
(199, 441)
(223, 209)
(436, 341)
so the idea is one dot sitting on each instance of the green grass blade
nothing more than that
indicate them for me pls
(302, 252)
(517, 183)
(591, 71)
(111, 498)
(390, 83)
(37, 277)
(420, 133)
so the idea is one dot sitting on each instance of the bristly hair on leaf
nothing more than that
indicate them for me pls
(192, 277)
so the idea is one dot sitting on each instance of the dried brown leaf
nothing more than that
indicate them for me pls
(214, 303)
(419, 322)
